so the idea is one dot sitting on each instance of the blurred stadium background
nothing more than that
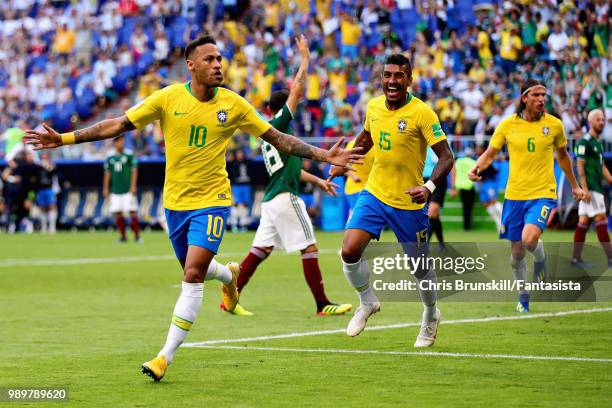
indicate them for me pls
(71, 63)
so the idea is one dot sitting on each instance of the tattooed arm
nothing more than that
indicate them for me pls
(105, 129)
(292, 145)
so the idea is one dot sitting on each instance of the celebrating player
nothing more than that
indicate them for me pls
(591, 170)
(284, 220)
(120, 176)
(399, 127)
(198, 119)
(532, 137)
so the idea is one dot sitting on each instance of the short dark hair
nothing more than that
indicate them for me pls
(201, 40)
(399, 59)
(278, 99)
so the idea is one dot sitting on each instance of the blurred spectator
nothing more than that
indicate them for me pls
(494, 47)
(472, 99)
(511, 46)
(138, 42)
(557, 44)
(64, 40)
(162, 47)
(83, 43)
(350, 33)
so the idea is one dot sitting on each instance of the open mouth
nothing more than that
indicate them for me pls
(393, 90)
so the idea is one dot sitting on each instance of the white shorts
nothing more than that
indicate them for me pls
(121, 203)
(284, 224)
(596, 206)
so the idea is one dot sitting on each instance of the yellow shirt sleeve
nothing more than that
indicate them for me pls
(560, 137)
(250, 121)
(366, 123)
(430, 126)
(148, 110)
(499, 136)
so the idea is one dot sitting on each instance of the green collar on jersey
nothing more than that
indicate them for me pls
(188, 87)
(408, 99)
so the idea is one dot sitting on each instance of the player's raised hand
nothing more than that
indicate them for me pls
(302, 46)
(578, 193)
(339, 156)
(43, 140)
(419, 194)
(329, 187)
(473, 174)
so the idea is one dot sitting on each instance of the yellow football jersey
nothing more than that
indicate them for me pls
(196, 135)
(362, 170)
(400, 140)
(530, 146)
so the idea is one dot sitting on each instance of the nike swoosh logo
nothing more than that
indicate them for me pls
(542, 221)
(180, 113)
(213, 240)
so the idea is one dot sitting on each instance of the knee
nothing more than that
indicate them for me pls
(350, 253)
(309, 249)
(530, 243)
(518, 254)
(194, 274)
(267, 250)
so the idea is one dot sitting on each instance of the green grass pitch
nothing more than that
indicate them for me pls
(79, 310)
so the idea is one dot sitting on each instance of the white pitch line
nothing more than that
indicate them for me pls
(10, 262)
(398, 326)
(416, 353)
(81, 261)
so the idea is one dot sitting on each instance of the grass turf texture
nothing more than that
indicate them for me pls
(90, 326)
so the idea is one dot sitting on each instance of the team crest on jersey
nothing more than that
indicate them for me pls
(401, 125)
(222, 116)
(545, 131)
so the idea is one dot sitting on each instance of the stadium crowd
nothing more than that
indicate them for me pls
(63, 61)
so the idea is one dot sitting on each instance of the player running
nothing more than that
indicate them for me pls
(399, 127)
(284, 220)
(198, 119)
(532, 137)
(591, 171)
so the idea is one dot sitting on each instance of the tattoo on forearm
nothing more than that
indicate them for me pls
(294, 146)
(103, 130)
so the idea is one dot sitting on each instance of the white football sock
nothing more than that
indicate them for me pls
(52, 221)
(43, 222)
(358, 276)
(429, 296)
(538, 252)
(233, 218)
(219, 272)
(519, 270)
(492, 210)
(185, 312)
